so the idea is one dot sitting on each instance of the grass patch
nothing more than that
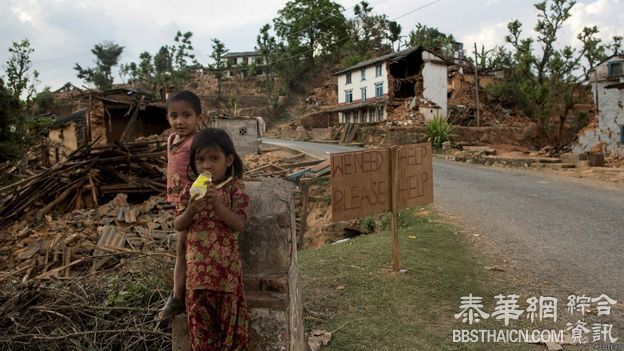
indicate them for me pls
(350, 287)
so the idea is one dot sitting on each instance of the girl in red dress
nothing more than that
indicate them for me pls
(215, 301)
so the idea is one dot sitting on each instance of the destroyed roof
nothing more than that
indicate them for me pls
(67, 87)
(241, 53)
(605, 60)
(78, 117)
(395, 56)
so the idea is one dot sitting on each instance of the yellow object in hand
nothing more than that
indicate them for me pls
(200, 185)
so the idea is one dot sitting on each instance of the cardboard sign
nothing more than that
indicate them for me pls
(361, 181)
(415, 185)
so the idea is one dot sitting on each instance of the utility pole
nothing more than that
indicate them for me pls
(477, 83)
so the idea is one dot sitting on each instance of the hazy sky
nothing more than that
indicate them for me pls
(62, 32)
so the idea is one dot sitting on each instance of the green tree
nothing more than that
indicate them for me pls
(43, 102)
(142, 74)
(394, 32)
(543, 82)
(311, 28)
(9, 119)
(369, 31)
(172, 64)
(432, 39)
(21, 78)
(218, 64)
(184, 60)
(266, 44)
(106, 57)
(163, 66)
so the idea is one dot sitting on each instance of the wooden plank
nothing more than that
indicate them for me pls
(131, 126)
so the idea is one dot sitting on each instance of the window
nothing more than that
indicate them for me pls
(349, 78)
(378, 70)
(615, 69)
(363, 93)
(363, 73)
(348, 95)
(378, 89)
(379, 114)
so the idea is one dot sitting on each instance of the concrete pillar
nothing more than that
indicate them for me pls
(270, 271)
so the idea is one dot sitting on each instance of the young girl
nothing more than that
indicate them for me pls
(183, 111)
(216, 307)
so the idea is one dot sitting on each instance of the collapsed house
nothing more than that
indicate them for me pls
(607, 133)
(368, 90)
(112, 116)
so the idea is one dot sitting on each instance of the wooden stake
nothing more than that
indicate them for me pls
(477, 83)
(394, 172)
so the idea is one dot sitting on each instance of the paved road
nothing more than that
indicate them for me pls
(319, 150)
(563, 232)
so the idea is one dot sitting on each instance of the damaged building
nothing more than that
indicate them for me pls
(369, 90)
(112, 116)
(607, 134)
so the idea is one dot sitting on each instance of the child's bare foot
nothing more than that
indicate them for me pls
(172, 307)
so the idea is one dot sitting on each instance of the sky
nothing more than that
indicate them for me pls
(63, 32)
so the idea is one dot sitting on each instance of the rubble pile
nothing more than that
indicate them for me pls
(463, 108)
(407, 114)
(84, 177)
(89, 279)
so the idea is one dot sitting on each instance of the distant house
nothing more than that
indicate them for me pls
(607, 80)
(236, 61)
(366, 90)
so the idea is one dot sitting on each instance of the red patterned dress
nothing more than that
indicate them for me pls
(215, 301)
(178, 155)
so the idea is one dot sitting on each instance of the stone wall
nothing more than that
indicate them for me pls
(321, 133)
(418, 134)
(295, 134)
(270, 271)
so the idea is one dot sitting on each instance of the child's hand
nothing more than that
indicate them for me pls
(212, 195)
(195, 205)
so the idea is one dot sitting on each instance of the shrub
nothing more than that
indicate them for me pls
(439, 130)
(367, 224)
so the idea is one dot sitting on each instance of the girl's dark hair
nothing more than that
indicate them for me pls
(186, 96)
(215, 137)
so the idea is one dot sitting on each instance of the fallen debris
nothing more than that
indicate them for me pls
(88, 174)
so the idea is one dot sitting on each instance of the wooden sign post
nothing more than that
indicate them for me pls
(395, 211)
(381, 180)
